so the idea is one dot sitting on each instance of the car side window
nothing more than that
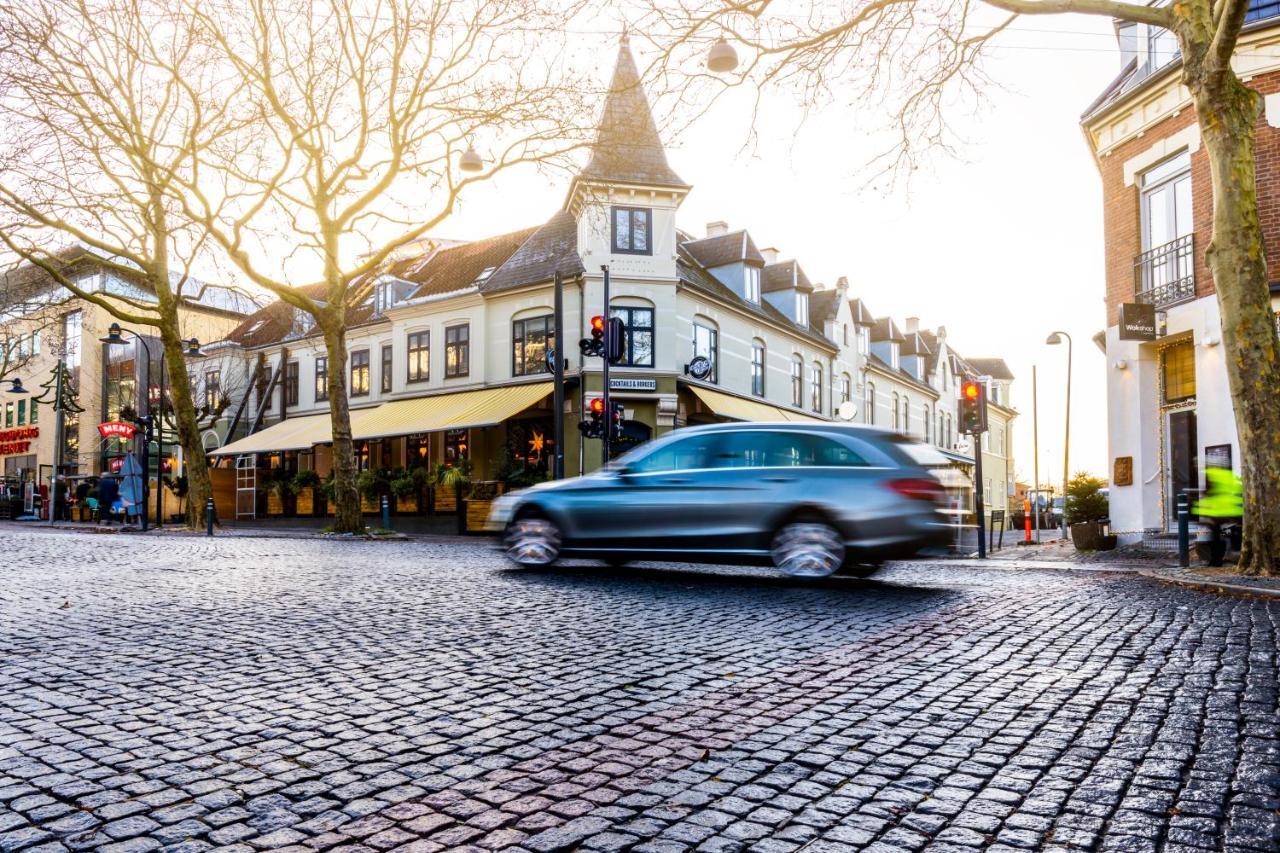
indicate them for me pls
(764, 449)
(682, 455)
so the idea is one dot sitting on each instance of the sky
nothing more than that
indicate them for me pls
(1002, 244)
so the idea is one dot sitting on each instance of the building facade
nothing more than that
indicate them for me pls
(450, 348)
(1170, 412)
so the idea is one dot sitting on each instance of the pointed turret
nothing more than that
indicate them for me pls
(627, 148)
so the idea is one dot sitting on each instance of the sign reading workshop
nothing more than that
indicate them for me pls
(1137, 322)
(14, 441)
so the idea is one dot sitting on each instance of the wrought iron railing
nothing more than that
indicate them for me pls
(1166, 274)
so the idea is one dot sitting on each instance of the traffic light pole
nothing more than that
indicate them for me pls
(977, 495)
(557, 458)
(604, 372)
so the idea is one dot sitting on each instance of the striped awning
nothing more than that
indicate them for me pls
(290, 434)
(481, 408)
(743, 409)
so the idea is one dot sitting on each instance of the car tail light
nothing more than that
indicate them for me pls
(919, 488)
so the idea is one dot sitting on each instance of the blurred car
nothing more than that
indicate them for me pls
(811, 498)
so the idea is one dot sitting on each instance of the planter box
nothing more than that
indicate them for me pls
(407, 503)
(275, 503)
(371, 505)
(477, 515)
(1086, 535)
(306, 502)
(446, 500)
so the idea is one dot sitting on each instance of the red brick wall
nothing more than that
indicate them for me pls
(1122, 221)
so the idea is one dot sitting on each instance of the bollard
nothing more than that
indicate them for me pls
(1026, 519)
(1184, 531)
(208, 517)
(386, 513)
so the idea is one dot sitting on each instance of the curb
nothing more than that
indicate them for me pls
(1211, 585)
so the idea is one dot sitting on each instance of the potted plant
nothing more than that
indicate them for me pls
(478, 503)
(450, 480)
(305, 487)
(1087, 509)
(279, 484)
(372, 485)
(405, 487)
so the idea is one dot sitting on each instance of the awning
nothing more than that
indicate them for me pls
(952, 478)
(465, 409)
(290, 434)
(742, 409)
(956, 457)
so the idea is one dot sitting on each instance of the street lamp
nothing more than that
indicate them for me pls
(115, 337)
(1054, 339)
(193, 348)
(15, 386)
(470, 160)
(722, 58)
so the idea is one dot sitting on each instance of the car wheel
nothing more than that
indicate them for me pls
(807, 548)
(531, 541)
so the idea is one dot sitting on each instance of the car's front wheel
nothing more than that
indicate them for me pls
(807, 548)
(532, 540)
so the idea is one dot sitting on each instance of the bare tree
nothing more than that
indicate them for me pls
(910, 58)
(353, 117)
(99, 114)
(30, 308)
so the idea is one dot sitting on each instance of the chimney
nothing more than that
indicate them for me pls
(913, 325)
(842, 286)
(942, 333)
(715, 229)
(770, 255)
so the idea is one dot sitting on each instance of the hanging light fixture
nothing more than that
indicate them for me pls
(15, 386)
(470, 161)
(193, 348)
(722, 57)
(113, 335)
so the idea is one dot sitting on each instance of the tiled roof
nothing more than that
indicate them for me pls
(993, 367)
(271, 324)
(546, 250)
(823, 305)
(886, 330)
(900, 374)
(783, 276)
(734, 247)
(627, 146)
(861, 313)
(915, 345)
(458, 267)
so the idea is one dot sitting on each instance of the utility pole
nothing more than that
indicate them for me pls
(604, 372)
(557, 458)
(1035, 449)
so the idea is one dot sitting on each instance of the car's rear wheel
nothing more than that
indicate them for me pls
(807, 547)
(532, 540)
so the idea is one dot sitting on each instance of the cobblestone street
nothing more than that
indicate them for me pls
(245, 693)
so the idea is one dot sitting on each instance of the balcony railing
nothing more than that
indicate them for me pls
(1166, 274)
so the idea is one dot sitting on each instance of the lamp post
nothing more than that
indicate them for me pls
(115, 337)
(1054, 339)
(61, 395)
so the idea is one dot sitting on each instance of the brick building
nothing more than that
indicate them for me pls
(1169, 406)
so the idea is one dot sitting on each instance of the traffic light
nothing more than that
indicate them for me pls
(617, 331)
(600, 344)
(615, 423)
(973, 408)
(593, 425)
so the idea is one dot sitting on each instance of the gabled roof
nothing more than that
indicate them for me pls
(458, 267)
(861, 313)
(627, 147)
(886, 330)
(915, 345)
(901, 375)
(823, 305)
(272, 323)
(732, 248)
(993, 367)
(784, 275)
(549, 249)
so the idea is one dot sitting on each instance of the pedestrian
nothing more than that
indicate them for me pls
(1221, 504)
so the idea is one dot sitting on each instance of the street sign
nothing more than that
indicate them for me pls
(1137, 321)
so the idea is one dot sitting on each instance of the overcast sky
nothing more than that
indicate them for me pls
(1002, 247)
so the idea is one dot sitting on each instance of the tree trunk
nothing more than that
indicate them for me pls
(1228, 112)
(346, 514)
(199, 488)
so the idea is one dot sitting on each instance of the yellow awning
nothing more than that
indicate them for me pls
(485, 407)
(742, 409)
(290, 434)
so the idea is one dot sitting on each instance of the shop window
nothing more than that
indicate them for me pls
(322, 378)
(1179, 367)
(419, 356)
(417, 449)
(360, 373)
(457, 351)
(456, 446)
(530, 340)
(637, 344)
(632, 227)
(385, 375)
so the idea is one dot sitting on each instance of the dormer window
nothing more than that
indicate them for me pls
(632, 231)
(751, 285)
(895, 361)
(802, 308)
(864, 339)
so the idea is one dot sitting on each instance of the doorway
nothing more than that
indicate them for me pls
(1183, 470)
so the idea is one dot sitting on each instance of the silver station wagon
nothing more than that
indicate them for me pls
(812, 499)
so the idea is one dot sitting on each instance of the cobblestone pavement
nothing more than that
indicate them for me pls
(264, 694)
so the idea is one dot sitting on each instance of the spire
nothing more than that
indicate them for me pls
(627, 146)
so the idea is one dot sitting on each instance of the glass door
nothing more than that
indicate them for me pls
(1183, 470)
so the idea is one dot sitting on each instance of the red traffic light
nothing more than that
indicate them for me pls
(597, 326)
(970, 390)
(597, 406)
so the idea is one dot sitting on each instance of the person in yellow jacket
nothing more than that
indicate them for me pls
(1222, 503)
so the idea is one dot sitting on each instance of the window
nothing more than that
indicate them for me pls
(895, 356)
(869, 404)
(950, 443)
(637, 344)
(213, 389)
(680, 455)
(864, 340)
(906, 415)
(455, 446)
(360, 373)
(1178, 363)
(797, 382)
(897, 425)
(291, 384)
(385, 376)
(632, 231)
(71, 333)
(846, 388)
(418, 352)
(22, 412)
(758, 449)
(844, 333)
(751, 284)
(815, 387)
(1162, 47)
(924, 419)
(802, 308)
(264, 383)
(937, 438)
(457, 351)
(322, 378)
(531, 338)
(35, 412)
(757, 368)
(8, 414)
(706, 344)
(1166, 202)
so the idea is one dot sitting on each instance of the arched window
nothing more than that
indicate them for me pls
(906, 415)
(924, 417)
(757, 367)
(797, 381)
(869, 404)
(815, 387)
(897, 414)
(846, 388)
(706, 343)
(937, 437)
(949, 443)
